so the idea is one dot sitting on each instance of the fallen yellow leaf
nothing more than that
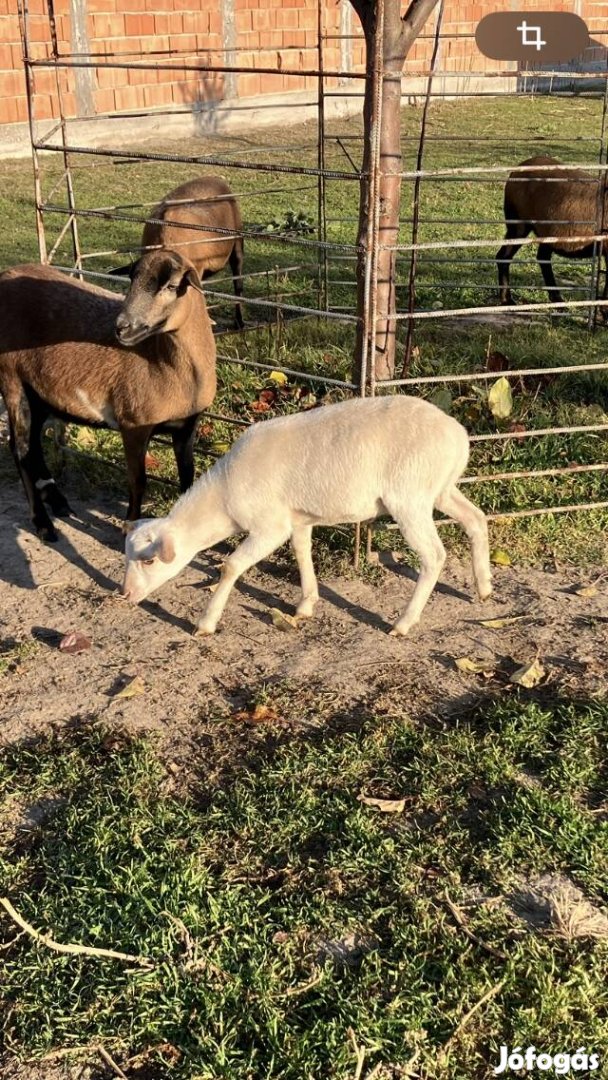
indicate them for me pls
(586, 590)
(132, 689)
(474, 667)
(529, 675)
(278, 377)
(500, 557)
(283, 622)
(387, 806)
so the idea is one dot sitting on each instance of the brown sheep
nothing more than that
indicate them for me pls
(77, 352)
(209, 202)
(546, 202)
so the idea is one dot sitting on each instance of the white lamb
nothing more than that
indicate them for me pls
(341, 463)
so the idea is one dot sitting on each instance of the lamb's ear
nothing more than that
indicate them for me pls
(191, 278)
(165, 547)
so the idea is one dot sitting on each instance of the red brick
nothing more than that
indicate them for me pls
(108, 26)
(110, 77)
(11, 83)
(248, 85)
(156, 95)
(162, 23)
(104, 100)
(128, 97)
(139, 25)
(98, 6)
(215, 22)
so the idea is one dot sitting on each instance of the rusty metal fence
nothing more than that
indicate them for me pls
(314, 277)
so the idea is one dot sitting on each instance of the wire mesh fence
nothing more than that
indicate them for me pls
(465, 133)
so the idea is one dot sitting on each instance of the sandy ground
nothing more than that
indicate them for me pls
(49, 590)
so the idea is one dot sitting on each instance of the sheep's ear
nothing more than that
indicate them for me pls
(191, 278)
(126, 271)
(165, 547)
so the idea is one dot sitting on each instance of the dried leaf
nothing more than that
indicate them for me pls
(500, 399)
(500, 558)
(132, 689)
(474, 667)
(529, 675)
(205, 430)
(259, 406)
(497, 624)
(74, 642)
(586, 590)
(282, 621)
(386, 806)
(278, 377)
(517, 429)
(219, 447)
(262, 714)
(268, 396)
(151, 462)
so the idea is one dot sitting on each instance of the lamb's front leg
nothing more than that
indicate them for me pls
(253, 548)
(301, 542)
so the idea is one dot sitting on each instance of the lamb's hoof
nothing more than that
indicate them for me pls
(127, 527)
(483, 596)
(204, 629)
(305, 611)
(398, 631)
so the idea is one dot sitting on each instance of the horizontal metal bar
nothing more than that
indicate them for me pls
(532, 474)
(288, 371)
(489, 375)
(535, 433)
(201, 159)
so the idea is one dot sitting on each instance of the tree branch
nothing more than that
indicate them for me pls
(416, 16)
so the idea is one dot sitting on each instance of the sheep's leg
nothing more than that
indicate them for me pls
(421, 534)
(20, 433)
(604, 311)
(543, 257)
(45, 483)
(301, 540)
(183, 448)
(135, 442)
(474, 523)
(253, 548)
(515, 231)
(236, 265)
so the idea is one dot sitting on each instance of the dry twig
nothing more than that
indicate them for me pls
(360, 1052)
(447, 1046)
(460, 919)
(77, 950)
(110, 1061)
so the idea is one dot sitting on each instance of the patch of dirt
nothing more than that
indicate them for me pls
(553, 902)
(344, 653)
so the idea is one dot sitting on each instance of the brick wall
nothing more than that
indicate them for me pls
(281, 34)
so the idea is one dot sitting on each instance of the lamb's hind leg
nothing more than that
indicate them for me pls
(20, 441)
(301, 540)
(473, 520)
(420, 532)
(254, 547)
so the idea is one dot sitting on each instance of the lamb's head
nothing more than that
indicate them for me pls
(158, 300)
(154, 553)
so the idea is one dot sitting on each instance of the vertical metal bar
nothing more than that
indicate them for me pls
(66, 157)
(379, 90)
(29, 89)
(371, 188)
(323, 290)
(411, 302)
(600, 215)
(370, 301)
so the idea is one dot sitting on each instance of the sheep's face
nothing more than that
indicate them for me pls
(153, 556)
(156, 302)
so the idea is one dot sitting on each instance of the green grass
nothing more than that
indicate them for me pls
(266, 853)
(512, 130)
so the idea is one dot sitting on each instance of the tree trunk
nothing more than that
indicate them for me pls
(399, 33)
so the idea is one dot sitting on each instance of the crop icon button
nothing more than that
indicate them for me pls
(532, 37)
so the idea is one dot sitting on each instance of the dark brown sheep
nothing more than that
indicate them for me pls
(562, 203)
(79, 353)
